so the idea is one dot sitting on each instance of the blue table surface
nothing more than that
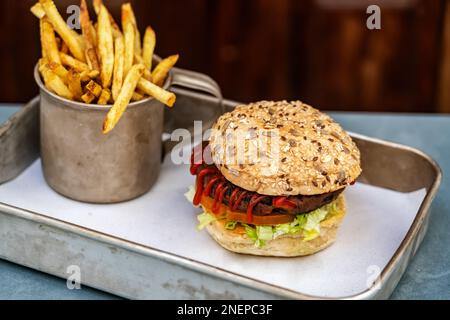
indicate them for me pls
(428, 275)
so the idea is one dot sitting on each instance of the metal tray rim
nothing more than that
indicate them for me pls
(230, 276)
(421, 215)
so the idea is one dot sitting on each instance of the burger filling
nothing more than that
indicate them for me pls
(262, 217)
(307, 224)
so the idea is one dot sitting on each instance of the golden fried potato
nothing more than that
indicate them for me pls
(70, 37)
(129, 35)
(148, 47)
(163, 68)
(37, 10)
(94, 88)
(89, 37)
(118, 67)
(73, 63)
(54, 83)
(164, 96)
(74, 84)
(129, 85)
(105, 47)
(48, 41)
(104, 97)
(88, 97)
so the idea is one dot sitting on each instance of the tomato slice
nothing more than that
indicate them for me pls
(224, 210)
(270, 219)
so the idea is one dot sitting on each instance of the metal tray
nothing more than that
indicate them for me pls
(133, 270)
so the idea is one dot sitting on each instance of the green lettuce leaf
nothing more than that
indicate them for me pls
(264, 232)
(250, 231)
(253, 235)
(230, 225)
(189, 195)
(204, 219)
(281, 229)
(312, 225)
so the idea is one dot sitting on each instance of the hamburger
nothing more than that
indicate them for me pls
(271, 178)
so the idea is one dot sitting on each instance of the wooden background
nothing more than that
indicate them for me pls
(319, 51)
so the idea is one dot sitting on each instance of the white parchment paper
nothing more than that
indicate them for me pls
(376, 223)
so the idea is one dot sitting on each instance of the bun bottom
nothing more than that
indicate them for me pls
(283, 246)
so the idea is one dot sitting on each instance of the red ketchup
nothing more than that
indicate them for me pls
(236, 196)
(233, 197)
(283, 202)
(195, 166)
(210, 185)
(199, 183)
(238, 200)
(218, 196)
(255, 199)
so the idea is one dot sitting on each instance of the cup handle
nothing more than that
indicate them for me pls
(196, 81)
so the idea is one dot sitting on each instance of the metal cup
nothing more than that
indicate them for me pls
(82, 163)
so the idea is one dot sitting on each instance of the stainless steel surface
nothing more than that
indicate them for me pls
(182, 115)
(132, 270)
(82, 163)
(22, 129)
(401, 168)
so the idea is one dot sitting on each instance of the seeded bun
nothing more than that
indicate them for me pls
(307, 152)
(283, 246)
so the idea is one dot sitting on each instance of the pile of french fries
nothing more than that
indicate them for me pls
(103, 64)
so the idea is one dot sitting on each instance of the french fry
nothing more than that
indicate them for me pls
(118, 67)
(129, 37)
(87, 97)
(104, 97)
(89, 40)
(42, 62)
(138, 59)
(94, 34)
(59, 70)
(64, 48)
(91, 59)
(137, 96)
(105, 47)
(88, 75)
(103, 65)
(48, 41)
(37, 10)
(70, 37)
(147, 74)
(97, 4)
(74, 84)
(159, 74)
(54, 83)
(137, 34)
(94, 88)
(148, 47)
(115, 27)
(164, 96)
(129, 85)
(73, 63)
(43, 51)
(137, 41)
